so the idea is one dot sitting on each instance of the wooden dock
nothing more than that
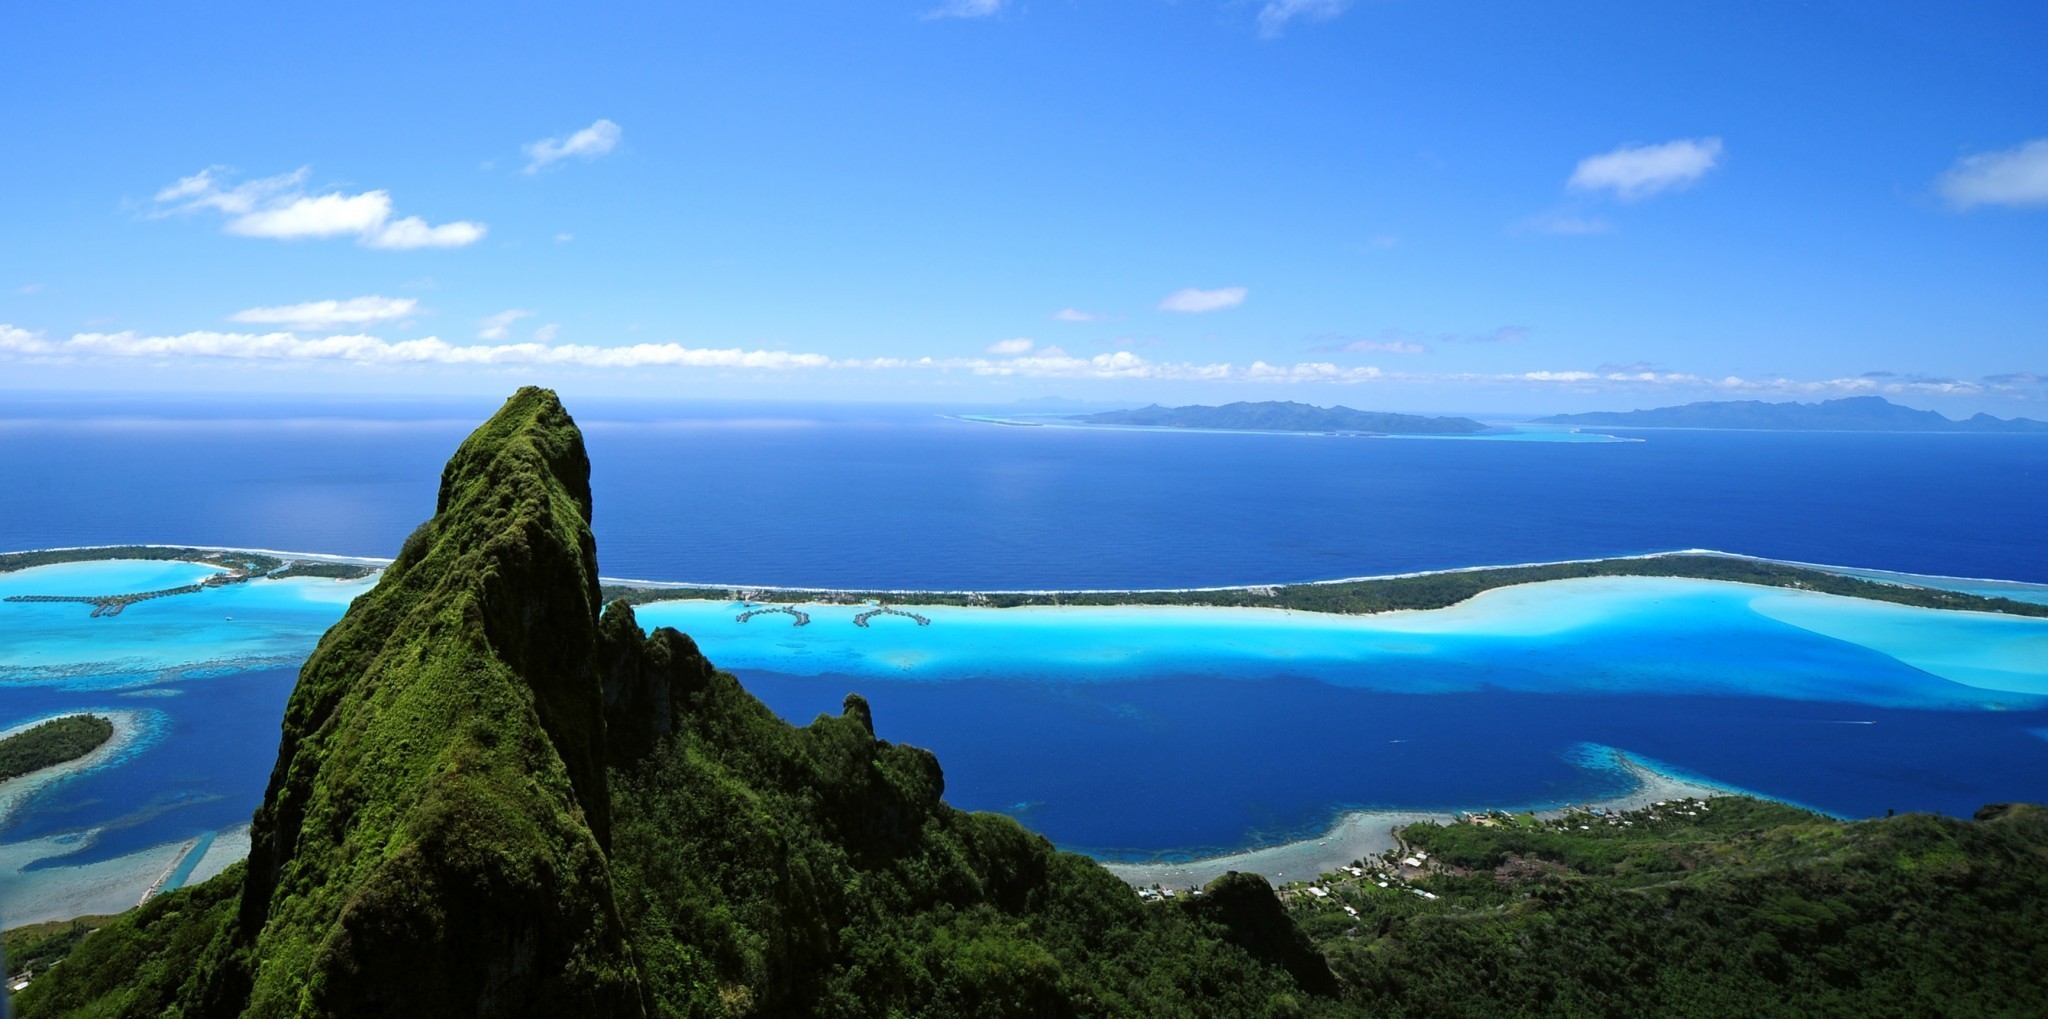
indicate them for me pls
(862, 619)
(802, 618)
(110, 604)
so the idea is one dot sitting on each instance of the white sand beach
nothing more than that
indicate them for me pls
(1367, 833)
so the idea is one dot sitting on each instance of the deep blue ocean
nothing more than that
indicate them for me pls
(906, 498)
(1108, 753)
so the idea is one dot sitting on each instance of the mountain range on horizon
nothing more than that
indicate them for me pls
(1848, 414)
(1285, 416)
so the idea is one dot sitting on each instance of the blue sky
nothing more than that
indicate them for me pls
(1507, 207)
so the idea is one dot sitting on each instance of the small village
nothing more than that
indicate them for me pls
(1404, 868)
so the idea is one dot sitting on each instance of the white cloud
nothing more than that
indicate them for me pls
(494, 327)
(329, 215)
(2016, 177)
(278, 208)
(1076, 315)
(587, 144)
(547, 333)
(371, 350)
(1041, 362)
(1640, 171)
(966, 9)
(1011, 348)
(413, 232)
(203, 190)
(1196, 301)
(1275, 15)
(564, 238)
(329, 314)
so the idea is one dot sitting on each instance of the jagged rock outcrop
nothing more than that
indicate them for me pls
(433, 840)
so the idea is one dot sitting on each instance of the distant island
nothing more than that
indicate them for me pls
(1285, 416)
(1850, 414)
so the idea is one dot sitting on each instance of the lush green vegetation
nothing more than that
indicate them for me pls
(53, 742)
(823, 875)
(491, 800)
(1747, 908)
(1423, 591)
(253, 562)
(136, 965)
(330, 571)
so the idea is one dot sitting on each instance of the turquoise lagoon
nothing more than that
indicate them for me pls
(1138, 732)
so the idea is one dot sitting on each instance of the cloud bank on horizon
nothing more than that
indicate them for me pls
(1018, 358)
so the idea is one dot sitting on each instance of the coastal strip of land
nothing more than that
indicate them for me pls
(1369, 834)
(1370, 595)
(241, 564)
(1429, 589)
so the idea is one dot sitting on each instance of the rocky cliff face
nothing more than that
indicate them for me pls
(433, 838)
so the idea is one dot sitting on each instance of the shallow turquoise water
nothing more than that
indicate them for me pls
(1140, 731)
(1605, 635)
(261, 623)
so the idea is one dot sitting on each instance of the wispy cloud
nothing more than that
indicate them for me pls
(2018, 379)
(596, 140)
(1395, 341)
(494, 327)
(547, 333)
(965, 9)
(1388, 345)
(1196, 301)
(1076, 315)
(1639, 171)
(1276, 14)
(1011, 348)
(1504, 334)
(2016, 177)
(279, 208)
(29, 289)
(314, 315)
(1563, 224)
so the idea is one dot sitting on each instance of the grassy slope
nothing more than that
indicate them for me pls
(824, 875)
(1763, 909)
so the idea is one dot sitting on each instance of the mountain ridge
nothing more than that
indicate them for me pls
(1851, 413)
(1284, 416)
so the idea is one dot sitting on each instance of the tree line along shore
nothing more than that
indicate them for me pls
(52, 743)
(1350, 597)
(1386, 594)
(275, 567)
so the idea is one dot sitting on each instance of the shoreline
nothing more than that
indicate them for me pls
(659, 585)
(17, 791)
(1364, 834)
